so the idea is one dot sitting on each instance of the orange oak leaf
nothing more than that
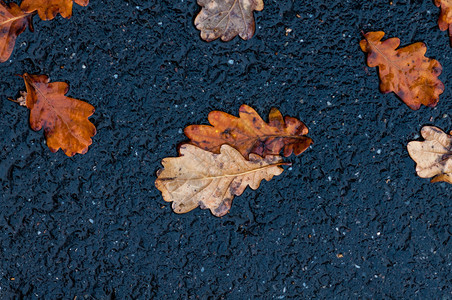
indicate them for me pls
(445, 17)
(405, 71)
(250, 134)
(201, 178)
(65, 120)
(48, 9)
(434, 155)
(13, 22)
(226, 19)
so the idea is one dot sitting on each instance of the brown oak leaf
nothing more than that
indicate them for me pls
(48, 9)
(13, 22)
(226, 19)
(250, 134)
(434, 155)
(65, 120)
(201, 178)
(405, 71)
(445, 17)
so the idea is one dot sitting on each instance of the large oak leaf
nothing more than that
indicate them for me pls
(48, 9)
(227, 18)
(405, 71)
(65, 119)
(250, 134)
(201, 178)
(445, 17)
(434, 155)
(13, 22)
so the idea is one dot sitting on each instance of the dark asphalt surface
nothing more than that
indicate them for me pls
(349, 219)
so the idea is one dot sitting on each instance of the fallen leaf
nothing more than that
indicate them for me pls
(406, 71)
(65, 120)
(201, 178)
(13, 22)
(48, 9)
(445, 17)
(434, 155)
(227, 18)
(250, 134)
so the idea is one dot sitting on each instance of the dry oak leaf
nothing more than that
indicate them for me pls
(445, 17)
(406, 71)
(48, 9)
(434, 155)
(227, 18)
(65, 120)
(209, 180)
(13, 22)
(250, 134)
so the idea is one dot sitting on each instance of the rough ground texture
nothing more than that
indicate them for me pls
(349, 219)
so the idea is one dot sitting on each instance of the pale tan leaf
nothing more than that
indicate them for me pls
(226, 19)
(434, 155)
(209, 180)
